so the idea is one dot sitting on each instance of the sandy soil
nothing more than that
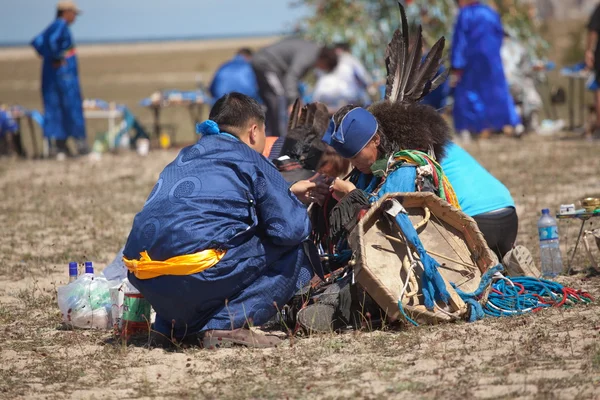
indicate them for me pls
(52, 213)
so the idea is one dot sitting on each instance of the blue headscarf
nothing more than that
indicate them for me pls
(355, 131)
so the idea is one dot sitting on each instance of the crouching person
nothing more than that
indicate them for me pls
(221, 242)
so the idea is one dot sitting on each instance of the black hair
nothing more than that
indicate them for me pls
(245, 51)
(411, 127)
(236, 110)
(59, 13)
(328, 57)
(345, 46)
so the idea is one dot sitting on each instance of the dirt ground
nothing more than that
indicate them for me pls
(52, 213)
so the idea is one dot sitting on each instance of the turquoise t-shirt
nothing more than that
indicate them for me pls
(478, 191)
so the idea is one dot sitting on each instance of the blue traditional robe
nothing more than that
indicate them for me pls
(60, 82)
(221, 194)
(235, 75)
(481, 98)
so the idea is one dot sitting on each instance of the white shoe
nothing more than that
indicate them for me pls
(61, 156)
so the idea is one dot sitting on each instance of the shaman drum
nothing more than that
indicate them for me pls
(382, 263)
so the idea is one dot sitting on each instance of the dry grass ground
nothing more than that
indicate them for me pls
(52, 213)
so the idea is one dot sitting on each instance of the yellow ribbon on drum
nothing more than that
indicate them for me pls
(146, 268)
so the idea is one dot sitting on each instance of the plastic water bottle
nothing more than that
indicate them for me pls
(549, 245)
(72, 271)
(89, 267)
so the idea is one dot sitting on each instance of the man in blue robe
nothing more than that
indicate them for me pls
(60, 82)
(482, 101)
(235, 75)
(223, 205)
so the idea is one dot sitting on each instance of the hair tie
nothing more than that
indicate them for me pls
(208, 127)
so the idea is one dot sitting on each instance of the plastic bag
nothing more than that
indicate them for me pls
(85, 303)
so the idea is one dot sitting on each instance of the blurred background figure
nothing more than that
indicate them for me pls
(63, 112)
(521, 72)
(482, 102)
(236, 75)
(592, 57)
(279, 69)
(348, 83)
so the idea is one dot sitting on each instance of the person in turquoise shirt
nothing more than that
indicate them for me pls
(482, 197)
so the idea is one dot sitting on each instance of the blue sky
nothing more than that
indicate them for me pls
(21, 20)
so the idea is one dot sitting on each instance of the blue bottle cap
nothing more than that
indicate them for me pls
(546, 211)
(72, 268)
(89, 267)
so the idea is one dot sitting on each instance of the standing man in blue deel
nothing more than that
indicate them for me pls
(236, 75)
(482, 101)
(60, 82)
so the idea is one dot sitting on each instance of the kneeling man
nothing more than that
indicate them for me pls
(220, 242)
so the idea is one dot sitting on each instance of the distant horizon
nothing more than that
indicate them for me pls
(119, 21)
(158, 39)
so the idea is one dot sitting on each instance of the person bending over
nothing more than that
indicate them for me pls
(221, 242)
(482, 197)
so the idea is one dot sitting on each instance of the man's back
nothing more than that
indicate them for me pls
(210, 194)
(477, 190)
(202, 198)
(284, 54)
(482, 27)
(235, 75)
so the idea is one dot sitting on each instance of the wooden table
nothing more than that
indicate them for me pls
(193, 101)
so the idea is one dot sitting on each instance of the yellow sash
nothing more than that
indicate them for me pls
(146, 268)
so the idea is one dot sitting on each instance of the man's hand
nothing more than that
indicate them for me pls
(341, 188)
(589, 59)
(312, 190)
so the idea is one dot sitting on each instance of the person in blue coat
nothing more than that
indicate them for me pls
(482, 101)
(236, 75)
(225, 210)
(60, 81)
(483, 197)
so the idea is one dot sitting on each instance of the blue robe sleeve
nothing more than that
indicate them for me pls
(59, 41)
(282, 216)
(459, 43)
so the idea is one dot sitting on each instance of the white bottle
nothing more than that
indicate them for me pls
(551, 264)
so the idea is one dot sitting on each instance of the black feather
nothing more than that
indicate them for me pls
(394, 51)
(441, 78)
(428, 70)
(293, 122)
(414, 62)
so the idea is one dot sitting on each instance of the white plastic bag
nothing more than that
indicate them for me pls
(85, 303)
